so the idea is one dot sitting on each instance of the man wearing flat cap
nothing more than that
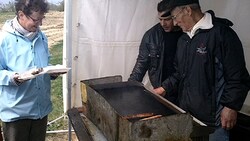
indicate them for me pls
(211, 77)
(157, 50)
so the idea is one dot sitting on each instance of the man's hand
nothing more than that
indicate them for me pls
(160, 91)
(228, 118)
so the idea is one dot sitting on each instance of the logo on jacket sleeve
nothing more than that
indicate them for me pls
(201, 49)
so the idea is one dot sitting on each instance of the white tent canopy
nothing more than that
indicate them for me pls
(102, 37)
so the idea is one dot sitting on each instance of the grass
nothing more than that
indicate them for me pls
(6, 16)
(56, 90)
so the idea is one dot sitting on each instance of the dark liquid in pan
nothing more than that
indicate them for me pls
(128, 99)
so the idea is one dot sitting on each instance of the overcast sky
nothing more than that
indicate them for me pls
(50, 1)
(54, 1)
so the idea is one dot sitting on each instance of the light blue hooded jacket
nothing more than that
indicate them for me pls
(30, 100)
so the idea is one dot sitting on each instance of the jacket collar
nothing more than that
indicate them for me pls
(204, 23)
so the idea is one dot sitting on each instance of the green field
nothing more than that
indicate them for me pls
(56, 91)
(6, 16)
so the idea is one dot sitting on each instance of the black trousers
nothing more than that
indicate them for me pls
(25, 130)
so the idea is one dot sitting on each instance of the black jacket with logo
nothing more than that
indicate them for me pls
(211, 72)
(156, 55)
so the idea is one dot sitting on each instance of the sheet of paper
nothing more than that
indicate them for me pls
(55, 69)
(30, 74)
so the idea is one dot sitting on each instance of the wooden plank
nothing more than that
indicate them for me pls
(81, 131)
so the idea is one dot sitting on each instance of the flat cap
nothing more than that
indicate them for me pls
(175, 3)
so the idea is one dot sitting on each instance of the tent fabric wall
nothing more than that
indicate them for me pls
(109, 34)
(106, 35)
(105, 38)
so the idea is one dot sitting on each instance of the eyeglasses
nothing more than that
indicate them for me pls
(36, 20)
(176, 15)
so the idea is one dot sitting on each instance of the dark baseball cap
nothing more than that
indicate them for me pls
(164, 7)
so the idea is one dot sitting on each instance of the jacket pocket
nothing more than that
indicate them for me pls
(200, 104)
(154, 56)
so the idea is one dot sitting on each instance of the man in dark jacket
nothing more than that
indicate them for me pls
(211, 76)
(157, 49)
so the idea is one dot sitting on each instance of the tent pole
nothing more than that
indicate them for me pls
(67, 55)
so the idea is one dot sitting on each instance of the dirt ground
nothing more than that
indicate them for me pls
(61, 137)
(53, 27)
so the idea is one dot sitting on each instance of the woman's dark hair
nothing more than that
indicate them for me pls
(27, 6)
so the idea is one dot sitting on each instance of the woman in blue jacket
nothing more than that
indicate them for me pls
(24, 104)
